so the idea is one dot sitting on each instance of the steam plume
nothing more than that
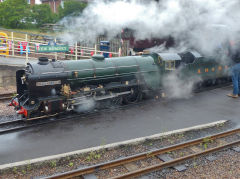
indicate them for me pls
(177, 87)
(85, 106)
(202, 24)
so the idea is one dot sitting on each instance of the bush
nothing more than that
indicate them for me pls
(71, 7)
(15, 14)
(42, 14)
(19, 14)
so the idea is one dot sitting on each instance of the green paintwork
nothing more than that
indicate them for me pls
(102, 70)
(150, 71)
(147, 69)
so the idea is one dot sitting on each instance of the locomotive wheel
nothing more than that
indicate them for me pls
(208, 82)
(134, 96)
(149, 95)
(117, 101)
(198, 85)
(219, 81)
(214, 81)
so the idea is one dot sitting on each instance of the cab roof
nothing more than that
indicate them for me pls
(169, 56)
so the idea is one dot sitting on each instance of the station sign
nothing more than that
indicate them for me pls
(51, 47)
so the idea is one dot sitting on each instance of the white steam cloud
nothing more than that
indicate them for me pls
(177, 87)
(199, 24)
(203, 25)
(85, 106)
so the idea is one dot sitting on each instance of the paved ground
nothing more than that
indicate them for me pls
(142, 120)
(13, 61)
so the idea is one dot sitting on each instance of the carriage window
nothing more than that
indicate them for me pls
(170, 65)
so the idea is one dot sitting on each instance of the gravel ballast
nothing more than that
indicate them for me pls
(7, 113)
(226, 166)
(76, 161)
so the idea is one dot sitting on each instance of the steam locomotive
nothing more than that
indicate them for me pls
(49, 87)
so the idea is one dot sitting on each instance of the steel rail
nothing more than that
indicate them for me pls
(107, 165)
(6, 96)
(25, 126)
(49, 120)
(88, 114)
(7, 129)
(10, 122)
(173, 162)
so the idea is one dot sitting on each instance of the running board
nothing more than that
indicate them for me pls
(113, 95)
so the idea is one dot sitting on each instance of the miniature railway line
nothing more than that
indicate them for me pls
(16, 125)
(6, 96)
(218, 141)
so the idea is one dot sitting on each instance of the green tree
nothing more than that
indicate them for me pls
(15, 14)
(42, 14)
(71, 7)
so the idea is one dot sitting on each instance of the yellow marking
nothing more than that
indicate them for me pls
(213, 69)
(220, 68)
(206, 69)
(86, 89)
(199, 71)
(163, 95)
(76, 74)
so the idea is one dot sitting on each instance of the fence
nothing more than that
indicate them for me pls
(25, 48)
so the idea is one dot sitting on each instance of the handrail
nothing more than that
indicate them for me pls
(76, 51)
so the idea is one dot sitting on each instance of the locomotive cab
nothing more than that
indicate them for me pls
(20, 82)
(169, 61)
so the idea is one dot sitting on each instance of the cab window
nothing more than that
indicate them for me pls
(170, 65)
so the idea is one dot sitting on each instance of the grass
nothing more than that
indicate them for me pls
(53, 163)
(70, 164)
(22, 33)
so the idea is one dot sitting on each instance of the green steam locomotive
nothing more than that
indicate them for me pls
(49, 87)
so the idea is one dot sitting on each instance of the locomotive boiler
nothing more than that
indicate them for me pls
(50, 87)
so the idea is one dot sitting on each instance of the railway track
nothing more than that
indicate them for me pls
(6, 96)
(17, 125)
(166, 157)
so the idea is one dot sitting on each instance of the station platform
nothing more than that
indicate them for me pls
(10, 61)
(147, 118)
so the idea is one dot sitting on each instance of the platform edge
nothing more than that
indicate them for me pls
(110, 146)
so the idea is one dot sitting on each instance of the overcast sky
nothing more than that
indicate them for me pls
(37, 1)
